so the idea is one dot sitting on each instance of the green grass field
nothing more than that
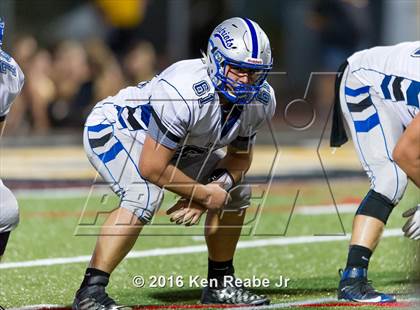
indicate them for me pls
(48, 227)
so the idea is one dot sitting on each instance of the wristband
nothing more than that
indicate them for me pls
(223, 177)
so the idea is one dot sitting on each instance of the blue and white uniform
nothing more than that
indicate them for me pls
(180, 109)
(379, 96)
(11, 83)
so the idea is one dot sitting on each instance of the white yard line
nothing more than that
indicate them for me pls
(282, 305)
(282, 241)
(56, 193)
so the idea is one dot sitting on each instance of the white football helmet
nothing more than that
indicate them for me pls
(239, 43)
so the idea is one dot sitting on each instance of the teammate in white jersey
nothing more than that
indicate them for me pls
(378, 94)
(11, 82)
(168, 133)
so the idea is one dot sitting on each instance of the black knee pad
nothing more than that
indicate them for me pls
(376, 205)
(4, 237)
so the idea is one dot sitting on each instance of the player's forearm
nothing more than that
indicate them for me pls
(414, 173)
(237, 164)
(412, 168)
(407, 151)
(176, 181)
(154, 166)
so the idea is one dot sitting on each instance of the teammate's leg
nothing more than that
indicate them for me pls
(9, 216)
(375, 132)
(4, 238)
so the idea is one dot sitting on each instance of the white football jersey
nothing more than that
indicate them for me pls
(180, 107)
(11, 82)
(393, 73)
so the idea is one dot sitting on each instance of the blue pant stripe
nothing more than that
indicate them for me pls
(111, 153)
(367, 124)
(356, 92)
(98, 128)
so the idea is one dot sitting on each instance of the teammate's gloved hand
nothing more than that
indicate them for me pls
(184, 213)
(217, 197)
(411, 228)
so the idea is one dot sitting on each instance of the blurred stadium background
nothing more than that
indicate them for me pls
(76, 52)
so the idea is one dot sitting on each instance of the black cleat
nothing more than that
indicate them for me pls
(354, 286)
(232, 294)
(94, 297)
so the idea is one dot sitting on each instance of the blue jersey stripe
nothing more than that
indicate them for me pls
(367, 124)
(413, 94)
(254, 38)
(356, 92)
(146, 111)
(384, 86)
(120, 116)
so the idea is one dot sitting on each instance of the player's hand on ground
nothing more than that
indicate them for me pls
(185, 213)
(217, 197)
(411, 228)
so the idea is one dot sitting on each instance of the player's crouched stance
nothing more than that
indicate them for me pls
(11, 83)
(378, 94)
(167, 133)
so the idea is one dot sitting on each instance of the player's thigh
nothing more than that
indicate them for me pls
(375, 131)
(115, 156)
(9, 211)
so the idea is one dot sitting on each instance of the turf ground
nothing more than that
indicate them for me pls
(51, 227)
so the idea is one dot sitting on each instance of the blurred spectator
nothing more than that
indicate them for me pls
(107, 74)
(30, 112)
(41, 90)
(24, 48)
(61, 87)
(139, 63)
(73, 80)
(340, 28)
(339, 33)
(204, 16)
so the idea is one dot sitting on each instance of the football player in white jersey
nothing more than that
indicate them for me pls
(11, 82)
(378, 94)
(168, 133)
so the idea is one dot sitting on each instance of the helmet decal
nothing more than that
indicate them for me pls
(224, 38)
